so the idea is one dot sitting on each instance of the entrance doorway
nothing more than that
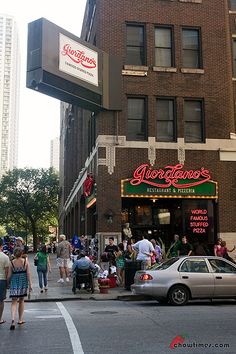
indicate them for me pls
(164, 217)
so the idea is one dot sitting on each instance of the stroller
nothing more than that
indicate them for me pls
(83, 276)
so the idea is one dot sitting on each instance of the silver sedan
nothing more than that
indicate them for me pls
(183, 278)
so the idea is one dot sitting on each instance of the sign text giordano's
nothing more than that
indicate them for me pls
(170, 181)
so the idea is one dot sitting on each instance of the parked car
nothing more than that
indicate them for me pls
(183, 278)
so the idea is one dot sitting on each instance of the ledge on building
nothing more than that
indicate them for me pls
(135, 70)
(164, 69)
(136, 67)
(227, 154)
(192, 71)
(233, 136)
(193, 1)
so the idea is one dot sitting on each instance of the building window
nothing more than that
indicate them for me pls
(233, 5)
(137, 119)
(193, 121)
(191, 54)
(163, 47)
(165, 120)
(135, 45)
(234, 58)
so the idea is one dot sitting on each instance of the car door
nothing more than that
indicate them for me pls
(194, 272)
(224, 277)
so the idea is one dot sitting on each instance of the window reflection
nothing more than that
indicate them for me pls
(143, 215)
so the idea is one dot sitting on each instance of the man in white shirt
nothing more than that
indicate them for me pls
(4, 268)
(145, 250)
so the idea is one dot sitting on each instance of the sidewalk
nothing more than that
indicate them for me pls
(62, 292)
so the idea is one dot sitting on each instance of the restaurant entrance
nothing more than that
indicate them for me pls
(164, 217)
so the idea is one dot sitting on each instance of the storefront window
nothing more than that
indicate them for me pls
(143, 215)
(162, 217)
(166, 217)
(199, 220)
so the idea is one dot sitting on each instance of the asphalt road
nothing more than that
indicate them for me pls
(118, 327)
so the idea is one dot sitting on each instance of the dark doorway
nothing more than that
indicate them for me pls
(162, 218)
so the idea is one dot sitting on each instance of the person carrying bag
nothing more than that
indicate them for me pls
(42, 261)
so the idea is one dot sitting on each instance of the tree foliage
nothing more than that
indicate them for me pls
(29, 200)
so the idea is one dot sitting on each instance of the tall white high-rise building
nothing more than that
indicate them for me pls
(54, 153)
(9, 93)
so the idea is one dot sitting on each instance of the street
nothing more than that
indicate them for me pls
(121, 327)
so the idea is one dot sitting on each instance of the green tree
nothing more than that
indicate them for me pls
(3, 231)
(29, 200)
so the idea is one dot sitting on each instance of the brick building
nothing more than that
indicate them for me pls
(165, 163)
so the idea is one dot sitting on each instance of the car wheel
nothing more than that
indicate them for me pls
(178, 295)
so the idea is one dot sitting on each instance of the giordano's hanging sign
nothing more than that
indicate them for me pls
(169, 182)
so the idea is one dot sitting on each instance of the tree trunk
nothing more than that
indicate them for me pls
(35, 236)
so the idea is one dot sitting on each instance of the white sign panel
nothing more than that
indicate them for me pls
(78, 60)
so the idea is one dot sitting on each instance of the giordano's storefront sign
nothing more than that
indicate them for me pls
(169, 182)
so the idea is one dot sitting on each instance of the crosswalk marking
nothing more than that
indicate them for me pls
(74, 336)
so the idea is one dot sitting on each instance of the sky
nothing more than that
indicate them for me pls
(39, 117)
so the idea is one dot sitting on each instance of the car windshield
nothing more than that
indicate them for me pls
(165, 264)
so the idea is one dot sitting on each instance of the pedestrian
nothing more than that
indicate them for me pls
(110, 249)
(43, 267)
(157, 256)
(64, 251)
(218, 248)
(199, 249)
(225, 250)
(83, 262)
(129, 253)
(145, 250)
(49, 248)
(4, 269)
(173, 250)
(120, 263)
(185, 248)
(21, 243)
(20, 281)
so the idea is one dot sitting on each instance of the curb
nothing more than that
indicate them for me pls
(89, 298)
(94, 298)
